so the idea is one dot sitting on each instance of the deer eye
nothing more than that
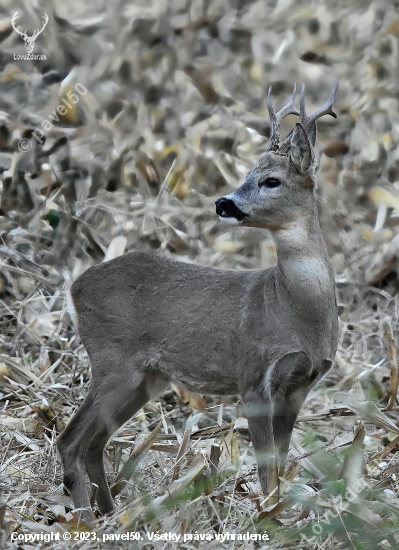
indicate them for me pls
(269, 182)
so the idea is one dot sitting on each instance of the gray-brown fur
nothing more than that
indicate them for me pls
(267, 334)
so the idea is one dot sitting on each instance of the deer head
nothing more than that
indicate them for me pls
(279, 188)
(29, 40)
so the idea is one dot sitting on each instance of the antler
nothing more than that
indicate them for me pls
(36, 33)
(307, 121)
(276, 119)
(25, 35)
(16, 29)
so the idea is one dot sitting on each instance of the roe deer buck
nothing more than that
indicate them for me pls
(267, 334)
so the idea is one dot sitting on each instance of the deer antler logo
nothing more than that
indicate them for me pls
(29, 40)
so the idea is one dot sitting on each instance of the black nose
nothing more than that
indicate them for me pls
(226, 208)
(222, 207)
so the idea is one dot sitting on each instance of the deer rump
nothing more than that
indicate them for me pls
(169, 338)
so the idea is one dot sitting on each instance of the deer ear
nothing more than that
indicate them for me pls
(301, 151)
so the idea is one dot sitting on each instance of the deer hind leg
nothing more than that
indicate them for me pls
(72, 445)
(116, 392)
(117, 409)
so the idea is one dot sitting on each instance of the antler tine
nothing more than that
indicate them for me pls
(302, 108)
(14, 18)
(270, 106)
(276, 119)
(39, 31)
(44, 22)
(13, 23)
(307, 120)
(289, 109)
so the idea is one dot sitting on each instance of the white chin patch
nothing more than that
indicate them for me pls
(231, 221)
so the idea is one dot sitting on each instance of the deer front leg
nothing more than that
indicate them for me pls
(286, 411)
(259, 410)
(291, 379)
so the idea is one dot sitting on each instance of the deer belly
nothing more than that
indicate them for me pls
(225, 385)
(201, 372)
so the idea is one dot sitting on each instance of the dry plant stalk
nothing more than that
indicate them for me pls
(393, 389)
(182, 450)
(353, 466)
(393, 445)
(127, 471)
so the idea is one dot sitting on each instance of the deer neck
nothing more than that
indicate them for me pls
(304, 272)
